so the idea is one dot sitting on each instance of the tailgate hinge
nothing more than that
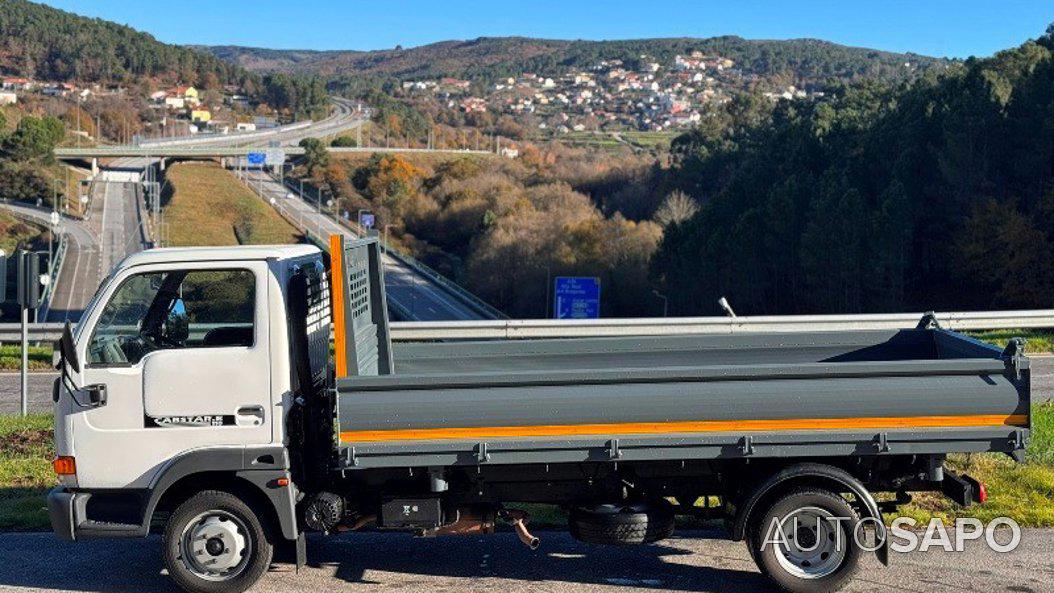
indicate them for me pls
(349, 456)
(882, 442)
(929, 321)
(1014, 357)
(613, 450)
(747, 445)
(481, 453)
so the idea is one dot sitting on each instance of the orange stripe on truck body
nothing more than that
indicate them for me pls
(336, 287)
(690, 426)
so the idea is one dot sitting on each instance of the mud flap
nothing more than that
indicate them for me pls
(301, 551)
(882, 553)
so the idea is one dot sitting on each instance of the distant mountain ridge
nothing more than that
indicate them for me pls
(488, 58)
(42, 42)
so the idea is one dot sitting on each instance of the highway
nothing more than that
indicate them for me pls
(692, 561)
(114, 226)
(420, 297)
(80, 273)
(111, 230)
(342, 118)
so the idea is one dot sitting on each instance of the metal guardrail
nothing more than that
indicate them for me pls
(54, 267)
(664, 326)
(658, 326)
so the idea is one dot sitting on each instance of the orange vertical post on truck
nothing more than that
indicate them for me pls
(340, 343)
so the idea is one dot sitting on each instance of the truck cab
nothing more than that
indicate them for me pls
(183, 372)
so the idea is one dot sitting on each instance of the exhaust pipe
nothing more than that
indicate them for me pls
(470, 521)
(518, 519)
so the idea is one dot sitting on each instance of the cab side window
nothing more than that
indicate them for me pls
(175, 309)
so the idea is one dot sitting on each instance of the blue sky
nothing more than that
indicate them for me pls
(940, 28)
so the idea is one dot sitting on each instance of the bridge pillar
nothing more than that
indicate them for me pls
(94, 167)
(161, 164)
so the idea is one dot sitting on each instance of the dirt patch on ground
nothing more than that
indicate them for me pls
(27, 443)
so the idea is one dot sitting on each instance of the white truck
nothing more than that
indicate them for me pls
(200, 398)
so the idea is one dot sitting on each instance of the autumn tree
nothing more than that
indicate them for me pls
(676, 208)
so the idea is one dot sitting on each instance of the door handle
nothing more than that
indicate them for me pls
(249, 415)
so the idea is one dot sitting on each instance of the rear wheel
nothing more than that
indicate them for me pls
(805, 541)
(214, 543)
(621, 524)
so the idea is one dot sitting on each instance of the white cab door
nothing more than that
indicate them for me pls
(183, 350)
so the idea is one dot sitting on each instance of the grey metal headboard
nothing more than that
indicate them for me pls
(362, 341)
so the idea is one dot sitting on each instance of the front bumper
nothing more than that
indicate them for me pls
(69, 519)
(60, 510)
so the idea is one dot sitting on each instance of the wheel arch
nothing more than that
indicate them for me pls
(800, 475)
(225, 469)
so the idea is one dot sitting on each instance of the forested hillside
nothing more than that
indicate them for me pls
(489, 58)
(49, 44)
(937, 195)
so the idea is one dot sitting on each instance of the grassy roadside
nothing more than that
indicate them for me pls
(39, 357)
(1024, 492)
(26, 450)
(1037, 341)
(209, 206)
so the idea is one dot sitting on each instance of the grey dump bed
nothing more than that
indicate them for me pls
(912, 391)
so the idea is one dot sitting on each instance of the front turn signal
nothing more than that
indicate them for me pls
(64, 466)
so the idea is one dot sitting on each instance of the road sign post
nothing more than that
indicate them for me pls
(577, 297)
(28, 298)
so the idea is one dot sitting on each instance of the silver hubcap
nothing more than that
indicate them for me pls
(215, 546)
(815, 543)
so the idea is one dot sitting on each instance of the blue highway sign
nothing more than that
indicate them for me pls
(577, 297)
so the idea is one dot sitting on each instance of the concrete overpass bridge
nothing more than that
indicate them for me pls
(94, 154)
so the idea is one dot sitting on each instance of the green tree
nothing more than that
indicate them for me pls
(344, 141)
(34, 138)
(934, 195)
(315, 154)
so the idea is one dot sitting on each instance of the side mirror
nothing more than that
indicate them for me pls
(68, 348)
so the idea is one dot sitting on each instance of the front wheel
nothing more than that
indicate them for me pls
(214, 543)
(805, 541)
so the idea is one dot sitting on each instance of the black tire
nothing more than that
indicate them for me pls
(829, 574)
(221, 507)
(621, 524)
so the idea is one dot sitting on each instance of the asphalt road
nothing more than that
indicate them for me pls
(343, 117)
(79, 275)
(423, 298)
(111, 231)
(397, 562)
